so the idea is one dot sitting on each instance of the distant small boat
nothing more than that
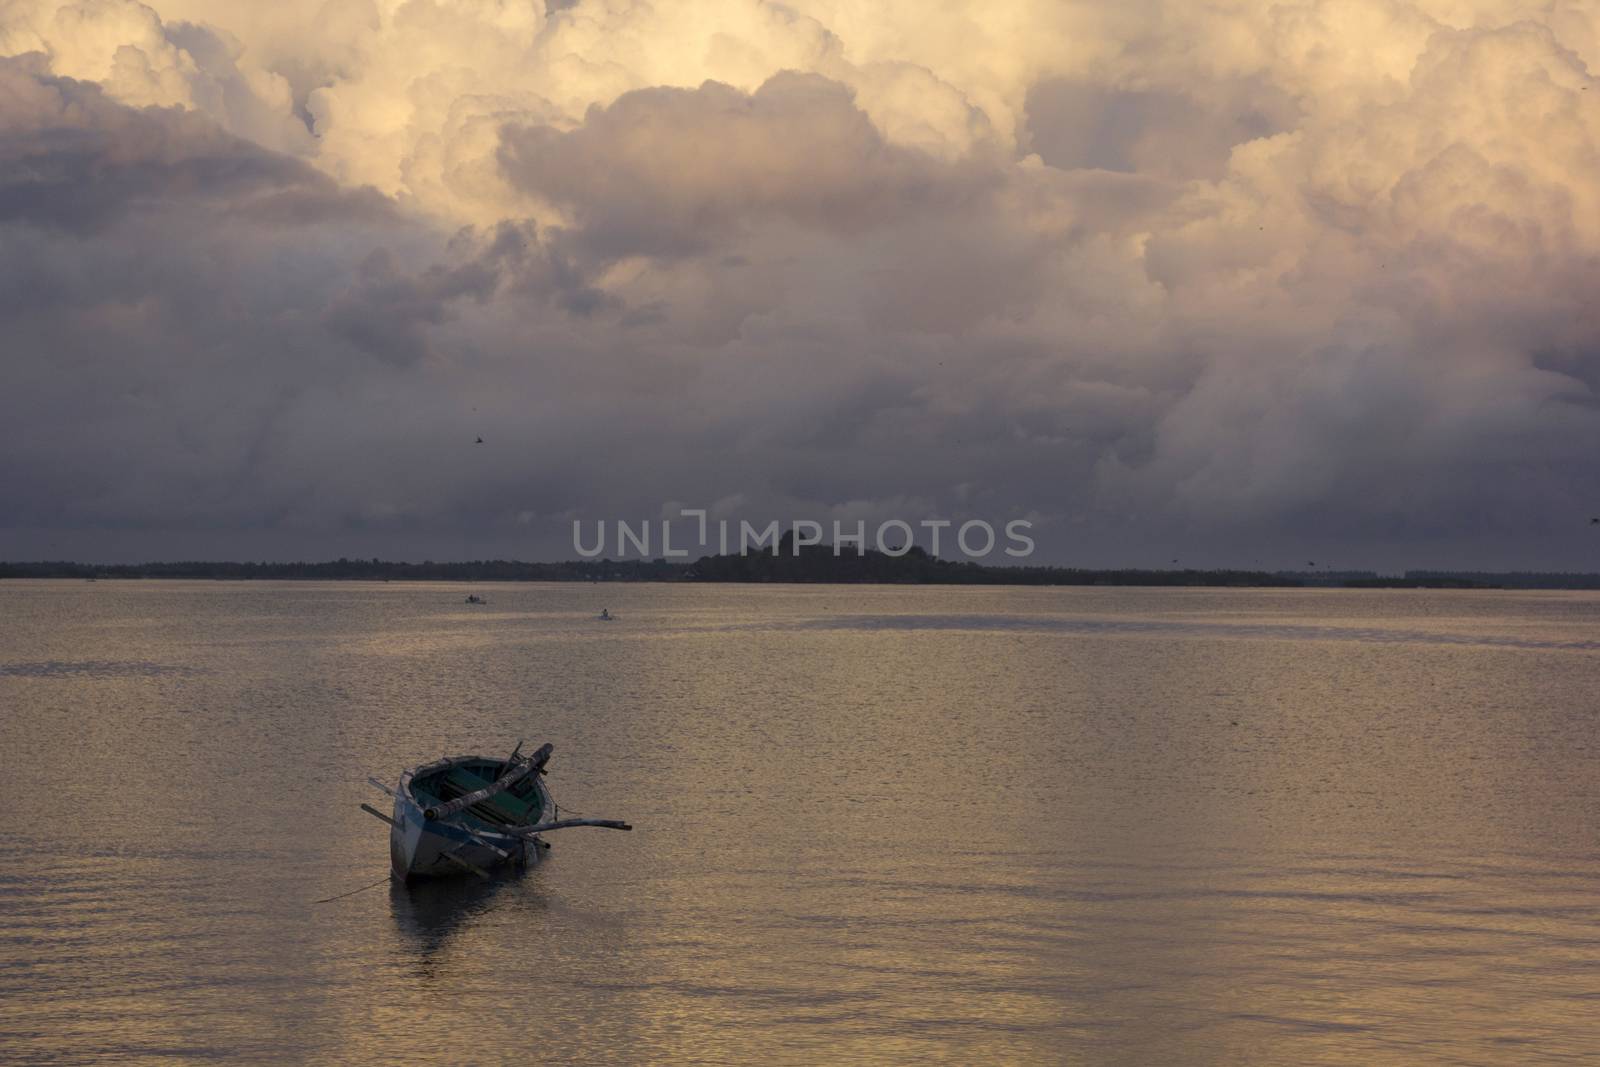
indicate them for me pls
(472, 814)
(605, 615)
(474, 598)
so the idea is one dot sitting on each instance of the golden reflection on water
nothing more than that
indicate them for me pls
(1059, 826)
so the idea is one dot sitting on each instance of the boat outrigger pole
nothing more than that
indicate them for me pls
(562, 824)
(512, 775)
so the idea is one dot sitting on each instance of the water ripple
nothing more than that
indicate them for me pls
(56, 668)
(1184, 628)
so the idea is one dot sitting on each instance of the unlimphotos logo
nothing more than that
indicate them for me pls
(976, 538)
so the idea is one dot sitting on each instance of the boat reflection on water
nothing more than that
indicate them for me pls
(431, 914)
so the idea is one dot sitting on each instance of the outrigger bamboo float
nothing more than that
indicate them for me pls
(471, 814)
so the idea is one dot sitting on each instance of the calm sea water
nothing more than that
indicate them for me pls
(873, 824)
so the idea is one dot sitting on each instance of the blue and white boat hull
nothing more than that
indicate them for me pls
(418, 845)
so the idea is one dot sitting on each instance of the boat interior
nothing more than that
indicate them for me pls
(520, 805)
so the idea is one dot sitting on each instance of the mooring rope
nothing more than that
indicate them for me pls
(352, 892)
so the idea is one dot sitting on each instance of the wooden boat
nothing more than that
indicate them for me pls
(472, 814)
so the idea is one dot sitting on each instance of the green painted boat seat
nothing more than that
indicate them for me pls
(504, 806)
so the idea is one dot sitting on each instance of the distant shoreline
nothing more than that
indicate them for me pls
(809, 568)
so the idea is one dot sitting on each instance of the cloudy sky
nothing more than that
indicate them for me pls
(1235, 282)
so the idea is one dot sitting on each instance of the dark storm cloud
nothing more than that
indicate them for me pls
(70, 157)
(388, 310)
(1217, 308)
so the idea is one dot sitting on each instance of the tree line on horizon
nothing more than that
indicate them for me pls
(812, 564)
